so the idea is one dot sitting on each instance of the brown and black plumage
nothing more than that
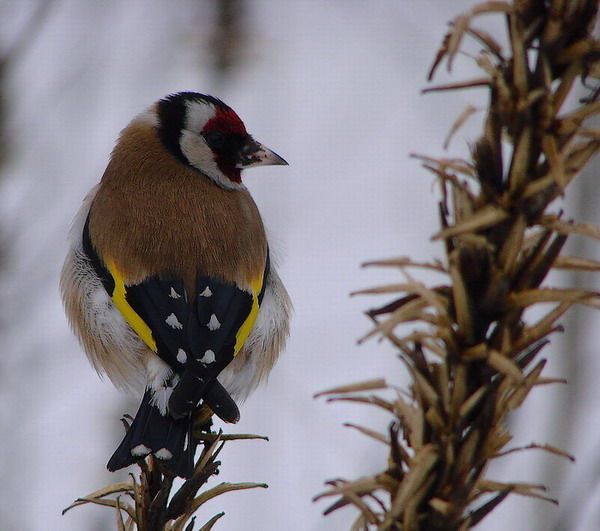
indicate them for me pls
(169, 283)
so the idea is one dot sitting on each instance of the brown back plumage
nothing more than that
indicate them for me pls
(152, 215)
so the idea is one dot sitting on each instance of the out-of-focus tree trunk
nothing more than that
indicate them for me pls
(229, 35)
(10, 54)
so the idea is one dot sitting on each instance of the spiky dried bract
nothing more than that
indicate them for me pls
(147, 502)
(474, 357)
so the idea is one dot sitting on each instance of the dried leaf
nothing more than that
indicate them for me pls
(368, 432)
(410, 311)
(441, 506)
(107, 503)
(550, 381)
(209, 525)
(420, 467)
(519, 168)
(524, 489)
(482, 219)
(520, 71)
(555, 161)
(124, 487)
(390, 288)
(564, 227)
(222, 488)
(369, 385)
(462, 306)
(371, 400)
(471, 403)
(488, 41)
(518, 395)
(425, 392)
(404, 261)
(576, 263)
(505, 366)
(483, 510)
(230, 437)
(457, 165)
(545, 447)
(436, 301)
(509, 252)
(529, 297)
(467, 112)
(412, 419)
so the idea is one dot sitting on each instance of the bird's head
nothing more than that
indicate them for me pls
(206, 134)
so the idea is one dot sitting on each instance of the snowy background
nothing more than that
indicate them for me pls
(334, 87)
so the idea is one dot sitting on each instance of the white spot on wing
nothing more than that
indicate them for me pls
(206, 292)
(140, 449)
(209, 357)
(181, 356)
(164, 454)
(174, 294)
(173, 322)
(214, 323)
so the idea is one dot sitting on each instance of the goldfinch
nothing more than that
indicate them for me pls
(168, 282)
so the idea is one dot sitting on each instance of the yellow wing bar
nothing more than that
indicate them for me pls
(143, 330)
(134, 320)
(244, 331)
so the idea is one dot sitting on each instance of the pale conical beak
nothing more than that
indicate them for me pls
(255, 154)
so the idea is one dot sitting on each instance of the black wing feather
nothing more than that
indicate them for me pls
(212, 330)
(181, 334)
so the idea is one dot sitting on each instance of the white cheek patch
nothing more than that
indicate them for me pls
(196, 151)
(200, 156)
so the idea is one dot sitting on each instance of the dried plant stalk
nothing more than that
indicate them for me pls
(475, 358)
(148, 502)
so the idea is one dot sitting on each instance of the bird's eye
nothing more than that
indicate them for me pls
(215, 139)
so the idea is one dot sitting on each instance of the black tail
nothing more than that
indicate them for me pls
(169, 439)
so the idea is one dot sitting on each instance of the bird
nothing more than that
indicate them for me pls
(169, 282)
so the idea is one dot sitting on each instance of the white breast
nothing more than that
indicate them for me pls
(111, 345)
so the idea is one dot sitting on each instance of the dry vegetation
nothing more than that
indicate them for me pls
(473, 357)
(149, 502)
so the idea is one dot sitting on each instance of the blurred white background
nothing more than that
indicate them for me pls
(334, 87)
